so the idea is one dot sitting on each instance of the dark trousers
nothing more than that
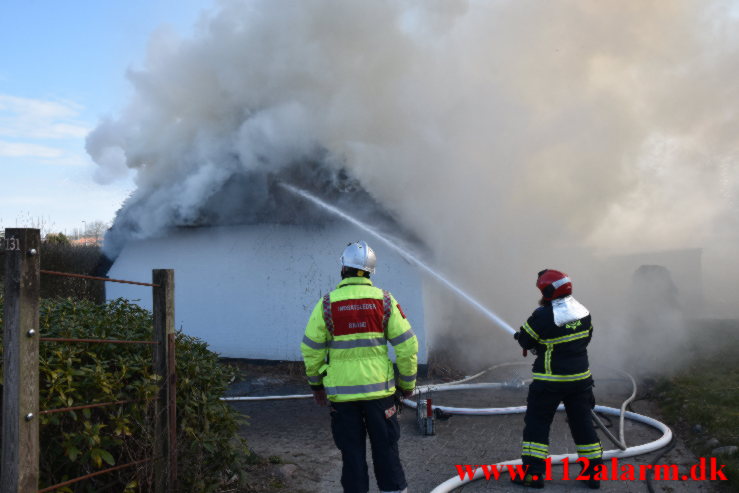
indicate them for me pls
(351, 422)
(542, 403)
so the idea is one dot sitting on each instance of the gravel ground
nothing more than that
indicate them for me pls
(298, 432)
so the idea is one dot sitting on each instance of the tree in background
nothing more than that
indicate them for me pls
(96, 229)
(60, 253)
(57, 239)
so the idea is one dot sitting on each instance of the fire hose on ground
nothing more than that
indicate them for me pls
(455, 482)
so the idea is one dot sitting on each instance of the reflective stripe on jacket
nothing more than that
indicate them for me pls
(358, 365)
(561, 351)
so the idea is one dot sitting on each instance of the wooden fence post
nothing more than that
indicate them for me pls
(20, 427)
(164, 365)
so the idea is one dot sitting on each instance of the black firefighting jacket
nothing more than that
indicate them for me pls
(561, 351)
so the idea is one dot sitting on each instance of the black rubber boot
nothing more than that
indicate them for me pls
(529, 480)
(592, 470)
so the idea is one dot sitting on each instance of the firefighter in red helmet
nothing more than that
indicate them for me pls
(558, 333)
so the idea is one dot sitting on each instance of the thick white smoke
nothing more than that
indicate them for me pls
(510, 135)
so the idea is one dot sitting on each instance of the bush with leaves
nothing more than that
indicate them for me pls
(75, 443)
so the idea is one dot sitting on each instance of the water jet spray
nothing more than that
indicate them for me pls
(411, 258)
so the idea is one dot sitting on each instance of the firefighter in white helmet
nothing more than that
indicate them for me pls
(346, 362)
(558, 332)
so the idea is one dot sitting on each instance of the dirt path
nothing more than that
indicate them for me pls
(298, 432)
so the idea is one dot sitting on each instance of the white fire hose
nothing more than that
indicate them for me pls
(455, 482)
(623, 451)
(425, 388)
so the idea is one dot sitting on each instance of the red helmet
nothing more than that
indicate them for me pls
(553, 284)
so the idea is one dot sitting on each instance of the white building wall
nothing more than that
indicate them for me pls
(248, 291)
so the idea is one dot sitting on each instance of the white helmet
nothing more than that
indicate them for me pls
(360, 256)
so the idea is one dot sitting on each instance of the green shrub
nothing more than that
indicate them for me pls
(71, 374)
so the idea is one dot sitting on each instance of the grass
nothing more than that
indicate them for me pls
(706, 393)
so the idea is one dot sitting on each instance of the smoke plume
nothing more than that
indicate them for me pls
(510, 136)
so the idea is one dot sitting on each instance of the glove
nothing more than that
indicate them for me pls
(516, 336)
(319, 396)
(401, 394)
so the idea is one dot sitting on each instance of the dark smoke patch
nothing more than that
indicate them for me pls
(257, 197)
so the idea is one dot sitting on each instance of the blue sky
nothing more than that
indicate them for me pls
(62, 68)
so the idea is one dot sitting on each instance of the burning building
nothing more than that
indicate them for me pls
(248, 276)
(498, 158)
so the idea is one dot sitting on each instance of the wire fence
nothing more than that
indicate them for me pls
(20, 426)
(94, 341)
(93, 474)
(95, 278)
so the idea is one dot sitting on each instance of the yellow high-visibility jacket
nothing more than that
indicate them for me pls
(345, 343)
